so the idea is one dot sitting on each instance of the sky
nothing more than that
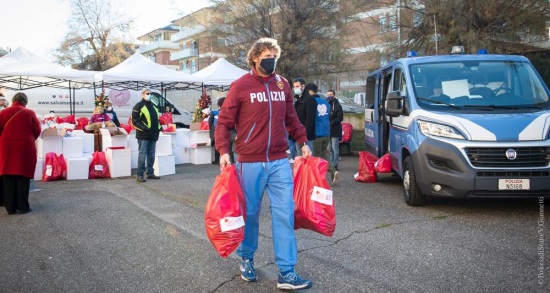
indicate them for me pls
(40, 25)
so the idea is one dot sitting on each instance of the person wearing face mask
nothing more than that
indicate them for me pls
(336, 117)
(306, 108)
(259, 106)
(111, 113)
(145, 118)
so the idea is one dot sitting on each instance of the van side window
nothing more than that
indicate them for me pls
(399, 82)
(371, 86)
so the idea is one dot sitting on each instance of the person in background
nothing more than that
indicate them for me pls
(322, 131)
(19, 128)
(259, 106)
(212, 122)
(145, 118)
(3, 103)
(306, 108)
(336, 117)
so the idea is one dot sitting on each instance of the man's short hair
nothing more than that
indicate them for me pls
(312, 87)
(300, 80)
(220, 102)
(332, 92)
(261, 45)
(144, 90)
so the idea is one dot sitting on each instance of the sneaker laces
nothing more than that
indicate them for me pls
(248, 265)
(291, 277)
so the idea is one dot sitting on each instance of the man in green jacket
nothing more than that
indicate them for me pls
(145, 117)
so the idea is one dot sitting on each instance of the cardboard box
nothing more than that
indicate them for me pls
(200, 137)
(201, 155)
(119, 161)
(87, 140)
(182, 155)
(164, 145)
(134, 163)
(133, 142)
(195, 126)
(164, 165)
(77, 168)
(39, 170)
(113, 137)
(183, 137)
(73, 146)
(49, 144)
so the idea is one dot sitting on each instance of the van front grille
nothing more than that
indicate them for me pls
(496, 157)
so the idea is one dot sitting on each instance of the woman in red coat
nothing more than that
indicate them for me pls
(19, 128)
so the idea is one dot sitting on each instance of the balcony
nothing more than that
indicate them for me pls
(162, 45)
(182, 54)
(187, 32)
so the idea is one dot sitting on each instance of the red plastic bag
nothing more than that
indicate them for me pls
(130, 123)
(68, 119)
(383, 165)
(99, 168)
(81, 122)
(166, 118)
(313, 204)
(225, 213)
(366, 168)
(55, 168)
(347, 131)
(126, 127)
(205, 125)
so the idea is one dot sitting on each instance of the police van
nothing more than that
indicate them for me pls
(461, 125)
(46, 100)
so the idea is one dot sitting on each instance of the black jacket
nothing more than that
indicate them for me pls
(336, 117)
(145, 129)
(306, 108)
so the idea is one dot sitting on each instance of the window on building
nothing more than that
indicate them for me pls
(393, 23)
(221, 42)
(193, 65)
(382, 23)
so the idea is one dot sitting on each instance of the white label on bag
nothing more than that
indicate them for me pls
(98, 168)
(231, 223)
(49, 170)
(322, 195)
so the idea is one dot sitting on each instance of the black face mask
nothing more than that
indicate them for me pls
(268, 64)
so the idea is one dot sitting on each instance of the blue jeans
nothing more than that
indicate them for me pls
(335, 150)
(292, 148)
(146, 152)
(276, 177)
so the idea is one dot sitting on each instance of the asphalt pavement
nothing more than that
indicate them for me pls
(117, 235)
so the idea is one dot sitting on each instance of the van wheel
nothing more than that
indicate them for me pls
(412, 194)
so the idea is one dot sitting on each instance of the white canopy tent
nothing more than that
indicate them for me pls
(220, 74)
(21, 69)
(137, 72)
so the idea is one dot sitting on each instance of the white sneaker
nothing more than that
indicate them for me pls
(336, 177)
(291, 161)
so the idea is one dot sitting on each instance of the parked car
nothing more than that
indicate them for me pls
(348, 105)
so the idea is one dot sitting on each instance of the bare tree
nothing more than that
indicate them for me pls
(307, 31)
(501, 26)
(94, 40)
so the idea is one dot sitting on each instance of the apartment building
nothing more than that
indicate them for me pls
(158, 46)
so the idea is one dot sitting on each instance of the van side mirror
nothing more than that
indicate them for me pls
(395, 104)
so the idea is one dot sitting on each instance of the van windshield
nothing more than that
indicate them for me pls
(478, 85)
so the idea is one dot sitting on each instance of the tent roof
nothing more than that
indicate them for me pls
(21, 69)
(221, 73)
(138, 71)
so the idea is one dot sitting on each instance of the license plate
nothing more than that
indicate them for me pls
(513, 184)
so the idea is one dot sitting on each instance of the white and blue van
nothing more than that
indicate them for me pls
(461, 125)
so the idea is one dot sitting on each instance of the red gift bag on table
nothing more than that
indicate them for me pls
(313, 205)
(81, 122)
(366, 168)
(55, 168)
(69, 119)
(225, 213)
(126, 127)
(166, 118)
(99, 168)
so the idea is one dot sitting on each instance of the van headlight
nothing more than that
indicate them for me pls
(435, 129)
